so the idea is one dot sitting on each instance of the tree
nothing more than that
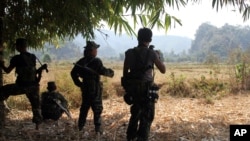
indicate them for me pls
(219, 41)
(47, 58)
(40, 20)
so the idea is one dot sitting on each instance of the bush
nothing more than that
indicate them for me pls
(177, 86)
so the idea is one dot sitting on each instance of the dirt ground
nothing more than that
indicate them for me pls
(176, 119)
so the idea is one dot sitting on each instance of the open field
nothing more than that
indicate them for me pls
(177, 118)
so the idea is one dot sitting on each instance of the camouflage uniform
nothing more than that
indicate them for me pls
(26, 82)
(89, 68)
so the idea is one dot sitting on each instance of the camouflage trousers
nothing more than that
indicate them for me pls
(142, 116)
(32, 93)
(91, 98)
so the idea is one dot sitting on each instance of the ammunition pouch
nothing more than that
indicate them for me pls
(153, 92)
(128, 99)
(137, 90)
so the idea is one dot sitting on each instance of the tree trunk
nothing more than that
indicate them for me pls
(2, 106)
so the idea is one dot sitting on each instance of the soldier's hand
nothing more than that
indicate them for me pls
(110, 73)
(160, 55)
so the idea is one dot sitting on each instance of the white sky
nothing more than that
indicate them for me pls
(193, 15)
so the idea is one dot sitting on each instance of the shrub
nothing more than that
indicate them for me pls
(177, 86)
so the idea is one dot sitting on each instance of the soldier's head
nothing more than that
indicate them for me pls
(91, 49)
(51, 86)
(21, 44)
(144, 35)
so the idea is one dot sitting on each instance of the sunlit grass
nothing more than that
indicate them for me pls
(186, 83)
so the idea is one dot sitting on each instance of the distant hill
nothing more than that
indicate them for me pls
(113, 45)
(169, 43)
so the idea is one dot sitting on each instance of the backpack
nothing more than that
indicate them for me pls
(132, 83)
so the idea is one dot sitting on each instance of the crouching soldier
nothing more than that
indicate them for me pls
(53, 103)
(89, 68)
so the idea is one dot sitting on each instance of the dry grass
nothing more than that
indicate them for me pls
(177, 118)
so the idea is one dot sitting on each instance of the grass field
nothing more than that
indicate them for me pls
(185, 80)
(181, 80)
(197, 102)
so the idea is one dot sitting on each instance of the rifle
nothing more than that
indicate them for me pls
(86, 68)
(109, 72)
(58, 102)
(39, 72)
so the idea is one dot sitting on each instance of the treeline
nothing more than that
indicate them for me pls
(219, 43)
(211, 45)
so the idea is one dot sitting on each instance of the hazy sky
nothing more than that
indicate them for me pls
(193, 15)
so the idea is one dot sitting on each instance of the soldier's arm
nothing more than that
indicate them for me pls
(61, 97)
(103, 70)
(7, 69)
(159, 64)
(125, 67)
(75, 76)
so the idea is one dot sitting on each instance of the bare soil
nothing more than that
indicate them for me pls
(176, 119)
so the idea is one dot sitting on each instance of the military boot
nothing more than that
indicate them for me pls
(81, 121)
(37, 118)
(99, 129)
(81, 124)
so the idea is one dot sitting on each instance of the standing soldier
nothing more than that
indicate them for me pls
(137, 81)
(27, 81)
(89, 68)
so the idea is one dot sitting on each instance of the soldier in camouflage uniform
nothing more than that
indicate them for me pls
(89, 68)
(27, 79)
(50, 109)
(138, 73)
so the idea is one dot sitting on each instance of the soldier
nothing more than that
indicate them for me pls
(27, 81)
(89, 68)
(50, 103)
(137, 81)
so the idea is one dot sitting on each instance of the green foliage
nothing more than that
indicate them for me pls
(50, 21)
(207, 87)
(240, 78)
(204, 88)
(212, 42)
(242, 5)
(46, 58)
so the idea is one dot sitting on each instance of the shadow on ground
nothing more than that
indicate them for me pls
(114, 130)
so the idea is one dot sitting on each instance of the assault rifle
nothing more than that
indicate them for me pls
(108, 73)
(58, 102)
(86, 68)
(39, 70)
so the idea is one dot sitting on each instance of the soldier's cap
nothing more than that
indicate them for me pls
(51, 86)
(21, 42)
(91, 45)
